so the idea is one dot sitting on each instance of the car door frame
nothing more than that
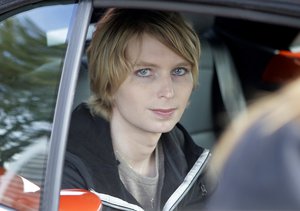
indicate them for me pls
(63, 109)
(76, 41)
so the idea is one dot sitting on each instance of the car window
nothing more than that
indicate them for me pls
(33, 46)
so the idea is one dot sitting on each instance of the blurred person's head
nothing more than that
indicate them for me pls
(257, 158)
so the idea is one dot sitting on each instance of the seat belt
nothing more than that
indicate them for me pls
(230, 87)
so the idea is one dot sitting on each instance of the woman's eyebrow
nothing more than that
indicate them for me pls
(183, 64)
(144, 63)
(149, 64)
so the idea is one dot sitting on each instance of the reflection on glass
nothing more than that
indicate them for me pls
(33, 46)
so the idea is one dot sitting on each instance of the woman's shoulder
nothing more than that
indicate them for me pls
(83, 118)
(181, 137)
(82, 111)
(178, 134)
(85, 126)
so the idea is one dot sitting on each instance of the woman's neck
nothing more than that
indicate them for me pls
(135, 146)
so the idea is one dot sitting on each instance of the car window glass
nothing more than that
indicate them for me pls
(33, 46)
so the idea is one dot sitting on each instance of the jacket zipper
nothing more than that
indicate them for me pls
(188, 182)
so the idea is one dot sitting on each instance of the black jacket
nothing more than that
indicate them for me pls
(90, 163)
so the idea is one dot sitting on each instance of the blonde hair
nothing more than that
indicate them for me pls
(108, 66)
(277, 109)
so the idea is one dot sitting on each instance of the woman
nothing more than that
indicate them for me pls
(126, 143)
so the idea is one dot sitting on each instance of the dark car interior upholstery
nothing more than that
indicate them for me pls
(198, 118)
(219, 97)
(82, 91)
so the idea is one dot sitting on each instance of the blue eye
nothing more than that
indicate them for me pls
(180, 71)
(143, 72)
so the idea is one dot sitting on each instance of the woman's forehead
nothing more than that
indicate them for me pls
(148, 49)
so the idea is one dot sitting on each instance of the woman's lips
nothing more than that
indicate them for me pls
(164, 113)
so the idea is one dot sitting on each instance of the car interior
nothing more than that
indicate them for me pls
(235, 68)
(241, 60)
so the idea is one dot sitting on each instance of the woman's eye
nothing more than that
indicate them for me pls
(180, 71)
(143, 72)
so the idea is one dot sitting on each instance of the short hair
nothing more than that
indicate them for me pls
(107, 61)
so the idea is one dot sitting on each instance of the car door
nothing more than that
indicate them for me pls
(37, 73)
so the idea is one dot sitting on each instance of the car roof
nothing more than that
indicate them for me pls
(286, 7)
(285, 12)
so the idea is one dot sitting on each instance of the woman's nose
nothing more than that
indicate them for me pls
(166, 88)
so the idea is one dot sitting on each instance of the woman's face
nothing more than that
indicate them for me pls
(155, 94)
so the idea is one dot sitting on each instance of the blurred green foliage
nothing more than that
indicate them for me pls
(29, 77)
